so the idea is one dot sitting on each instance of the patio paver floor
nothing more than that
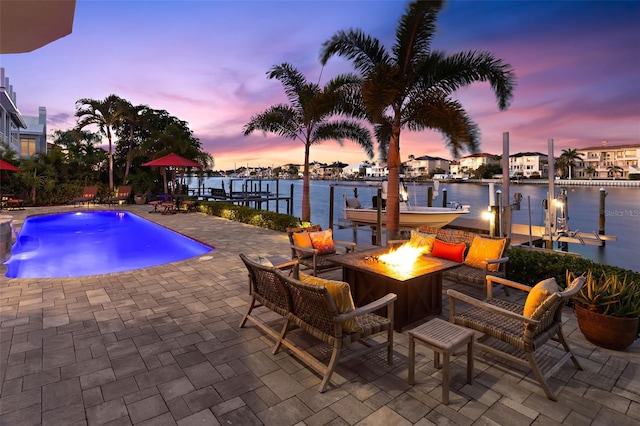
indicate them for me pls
(162, 346)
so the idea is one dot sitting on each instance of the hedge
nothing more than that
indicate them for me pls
(531, 266)
(261, 218)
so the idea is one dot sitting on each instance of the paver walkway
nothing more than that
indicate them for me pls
(162, 346)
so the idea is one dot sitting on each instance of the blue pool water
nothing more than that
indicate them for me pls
(94, 243)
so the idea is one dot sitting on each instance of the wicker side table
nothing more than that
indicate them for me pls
(444, 338)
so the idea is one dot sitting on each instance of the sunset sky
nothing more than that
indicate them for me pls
(205, 62)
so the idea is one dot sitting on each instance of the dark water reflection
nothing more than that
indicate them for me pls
(622, 211)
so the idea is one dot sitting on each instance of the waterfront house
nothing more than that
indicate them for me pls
(597, 161)
(425, 166)
(26, 135)
(532, 165)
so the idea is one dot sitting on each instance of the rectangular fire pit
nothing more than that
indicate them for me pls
(419, 288)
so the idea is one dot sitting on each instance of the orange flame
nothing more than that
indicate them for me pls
(402, 257)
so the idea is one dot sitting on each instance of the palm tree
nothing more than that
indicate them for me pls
(131, 118)
(310, 116)
(105, 115)
(560, 165)
(614, 170)
(590, 171)
(411, 87)
(570, 156)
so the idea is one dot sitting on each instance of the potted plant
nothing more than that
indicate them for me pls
(608, 310)
(140, 199)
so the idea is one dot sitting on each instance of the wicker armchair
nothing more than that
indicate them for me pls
(315, 312)
(268, 290)
(310, 257)
(312, 308)
(510, 335)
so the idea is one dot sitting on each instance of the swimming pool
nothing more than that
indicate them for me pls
(93, 243)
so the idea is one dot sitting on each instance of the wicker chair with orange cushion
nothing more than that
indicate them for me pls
(519, 334)
(321, 308)
(325, 310)
(314, 248)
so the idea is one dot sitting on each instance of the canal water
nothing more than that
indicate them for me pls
(622, 210)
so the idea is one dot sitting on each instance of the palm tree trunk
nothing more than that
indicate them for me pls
(110, 161)
(128, 166)
(393, 188)
(306, 204)
(164, 178)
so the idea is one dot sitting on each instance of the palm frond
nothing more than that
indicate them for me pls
(382, 131)
(450, 73)
(446, 116)
(415, 32)
(292, 80)
(365, 51)
(340, 130)
(279, 119)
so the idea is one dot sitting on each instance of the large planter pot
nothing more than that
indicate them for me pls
(607, 331)
(139, 199)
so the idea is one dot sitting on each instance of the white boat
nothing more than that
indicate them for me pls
(410, 216)
(414, 217)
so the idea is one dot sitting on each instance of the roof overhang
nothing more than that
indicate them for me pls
(10, 107)
(28, 25)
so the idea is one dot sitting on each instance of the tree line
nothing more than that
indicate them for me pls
(135, 134)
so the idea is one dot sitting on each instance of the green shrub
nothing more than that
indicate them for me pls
(530, 267)
(634, 176)
(263, 219)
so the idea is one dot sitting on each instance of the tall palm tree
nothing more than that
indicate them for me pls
(570, 156)
(105, 115)
(311, 116)
(590, 171)
(131, 119)
(411, 87)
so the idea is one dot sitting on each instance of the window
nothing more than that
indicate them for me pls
(27, 147)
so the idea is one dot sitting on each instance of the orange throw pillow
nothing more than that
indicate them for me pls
(449, 251)
(323, 241)
(483, 249)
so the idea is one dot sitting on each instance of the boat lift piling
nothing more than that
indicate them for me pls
(601, 217)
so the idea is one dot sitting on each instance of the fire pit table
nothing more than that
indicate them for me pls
(418, 285)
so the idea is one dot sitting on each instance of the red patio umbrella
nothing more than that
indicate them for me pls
(8, 166)
(172, 160)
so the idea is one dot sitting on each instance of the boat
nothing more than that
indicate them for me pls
(410, 216)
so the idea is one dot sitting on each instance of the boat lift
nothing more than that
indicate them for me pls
(556, 227)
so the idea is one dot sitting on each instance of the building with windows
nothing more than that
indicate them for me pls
(473, 161)
(607, 161)
(26, 135)
(33, 139)
(425, 166)
(532, 165)
(11, 119)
